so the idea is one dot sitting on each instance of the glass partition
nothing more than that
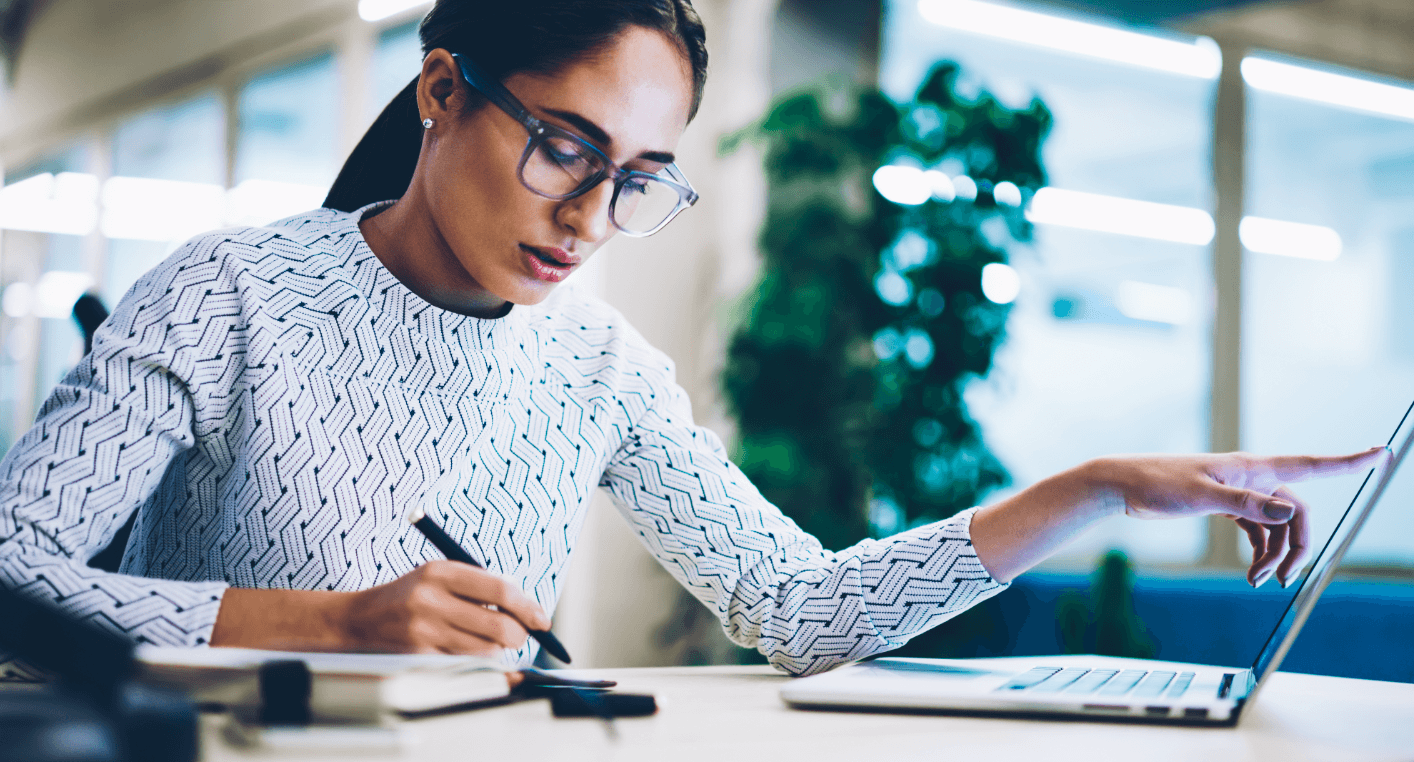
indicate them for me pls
(43, 274)
(397, 58)
(1109, 341)
(287, 149)
(1328, 334)
(182, 146)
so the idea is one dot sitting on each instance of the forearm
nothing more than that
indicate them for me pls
(1017, 533)
(294, 620)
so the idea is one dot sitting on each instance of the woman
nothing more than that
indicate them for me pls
(271, 401)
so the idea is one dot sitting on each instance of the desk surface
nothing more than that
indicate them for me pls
(734, 714)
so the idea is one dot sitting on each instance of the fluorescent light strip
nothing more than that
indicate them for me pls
(377, 10)
(1199, 58)
(48, 203)
(1327, 87)
(1179, 224)
(1290, 239)
(147, 209)
(1108, 214)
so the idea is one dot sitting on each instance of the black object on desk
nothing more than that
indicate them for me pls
(285, 686)
(449, 547)
(93, 703)
(581, 702)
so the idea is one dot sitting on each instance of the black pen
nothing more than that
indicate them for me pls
(449, 547)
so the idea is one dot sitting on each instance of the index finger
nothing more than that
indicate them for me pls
(1291, 468)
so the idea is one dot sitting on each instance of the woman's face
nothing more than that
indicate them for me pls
(631, 100)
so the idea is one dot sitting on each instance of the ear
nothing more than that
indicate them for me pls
(440, 91)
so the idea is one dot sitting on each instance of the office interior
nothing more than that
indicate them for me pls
(1226, 264)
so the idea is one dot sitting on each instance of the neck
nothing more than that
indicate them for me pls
(406, 240)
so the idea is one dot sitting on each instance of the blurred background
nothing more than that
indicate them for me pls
(1144, 225)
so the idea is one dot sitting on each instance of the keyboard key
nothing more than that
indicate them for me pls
(1154, 684)
(1060, 681)
(1181, 684)
(1029, 678)
(1092, 681)
(1123, 682)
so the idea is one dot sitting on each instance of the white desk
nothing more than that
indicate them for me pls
(733, 714)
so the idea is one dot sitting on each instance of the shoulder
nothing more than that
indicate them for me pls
(307, 243)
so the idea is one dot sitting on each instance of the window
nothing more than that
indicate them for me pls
(1328, 333)
(397, 58)
(289, 125)
(43, 274)
(184, 144)
(1109, 345)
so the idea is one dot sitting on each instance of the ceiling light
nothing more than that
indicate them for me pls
(908, 186)
(1001, 283)
(47, 203)
(1357, 93)
(147, 209)
(1199, 58)
(261, 202)
(1290, 239)
(1109, 214)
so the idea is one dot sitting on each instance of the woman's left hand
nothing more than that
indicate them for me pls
(1249, 489)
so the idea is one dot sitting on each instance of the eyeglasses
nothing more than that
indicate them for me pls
(560, 165)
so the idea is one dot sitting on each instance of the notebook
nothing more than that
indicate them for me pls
(346, 687)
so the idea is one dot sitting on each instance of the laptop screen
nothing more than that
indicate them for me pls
(1321, 569)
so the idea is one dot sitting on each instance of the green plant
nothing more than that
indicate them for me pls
(1107, 623)
(847, 376)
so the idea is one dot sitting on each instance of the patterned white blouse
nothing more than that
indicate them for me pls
(271, 401)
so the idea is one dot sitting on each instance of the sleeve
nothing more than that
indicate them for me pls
(772, 585)
(99, 447)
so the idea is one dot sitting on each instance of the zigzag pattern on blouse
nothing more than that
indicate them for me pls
(271, 401)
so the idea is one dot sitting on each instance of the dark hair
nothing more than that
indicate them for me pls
(505, 37)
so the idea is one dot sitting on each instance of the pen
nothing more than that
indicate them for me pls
(449, 547)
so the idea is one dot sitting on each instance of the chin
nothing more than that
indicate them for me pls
(532, 295)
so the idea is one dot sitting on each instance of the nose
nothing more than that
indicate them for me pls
(587, 216)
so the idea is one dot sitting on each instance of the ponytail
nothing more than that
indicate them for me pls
(381, 165)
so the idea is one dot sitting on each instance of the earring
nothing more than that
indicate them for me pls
(427, 123)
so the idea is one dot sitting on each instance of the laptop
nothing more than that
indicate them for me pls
(1097, 687)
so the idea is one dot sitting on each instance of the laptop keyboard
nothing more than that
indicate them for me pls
(1103, 682)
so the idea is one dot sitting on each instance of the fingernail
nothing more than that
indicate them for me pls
(1284, 582)
(1262, 579)
(1278, 510)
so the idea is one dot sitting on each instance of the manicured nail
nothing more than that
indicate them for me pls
(1266, 575)
(1284, 582)
(1278, 510)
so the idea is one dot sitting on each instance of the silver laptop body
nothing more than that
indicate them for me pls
(1140, 690)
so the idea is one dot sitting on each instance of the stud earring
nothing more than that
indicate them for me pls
(427, 123)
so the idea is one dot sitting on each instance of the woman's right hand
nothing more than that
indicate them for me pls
(439, 607)
(442, 606)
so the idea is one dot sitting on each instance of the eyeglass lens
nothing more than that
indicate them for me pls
(559, 166)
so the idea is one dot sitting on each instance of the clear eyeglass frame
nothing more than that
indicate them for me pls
(670, 177)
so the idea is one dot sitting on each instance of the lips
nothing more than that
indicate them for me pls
(551, 265)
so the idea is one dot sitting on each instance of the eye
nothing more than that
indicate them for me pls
(568, 155)
(636, 186)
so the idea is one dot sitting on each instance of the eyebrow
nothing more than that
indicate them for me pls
(597, 134)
